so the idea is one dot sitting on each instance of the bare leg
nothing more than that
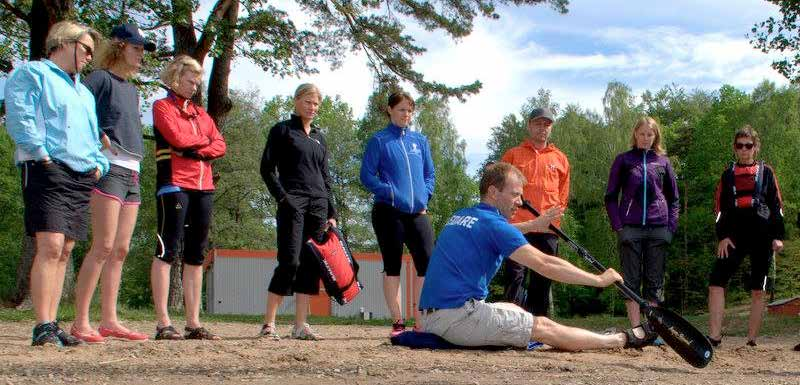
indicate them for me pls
(105, 214)
(273, 303)
(418, 282)
(192, 291)
(112, 273)
(49, 247)
(756, 314)
(716, 310)
(634, 314)
(391, 293)
(302, 302)
(61, 269)
(569, 338)
(159, 279)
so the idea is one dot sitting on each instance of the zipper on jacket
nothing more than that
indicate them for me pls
(200, 184)
(408, 165)
(644, 189)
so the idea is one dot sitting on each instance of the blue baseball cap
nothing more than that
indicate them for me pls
(130, 33)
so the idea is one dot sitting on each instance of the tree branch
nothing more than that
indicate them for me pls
(209, 33)
(16, 11)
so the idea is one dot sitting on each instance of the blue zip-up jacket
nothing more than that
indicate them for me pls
(398, 168)
(49, 114)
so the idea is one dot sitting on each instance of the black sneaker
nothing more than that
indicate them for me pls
(66, 338)
(752, 343)
(45, 334)
(636, 342)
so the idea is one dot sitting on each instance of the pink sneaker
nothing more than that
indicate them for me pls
(130, 335)
(89, 338)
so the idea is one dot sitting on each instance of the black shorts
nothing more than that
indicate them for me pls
(56, 199)
(120, 184)
(643, 256)
(759, 250)
(394, 228)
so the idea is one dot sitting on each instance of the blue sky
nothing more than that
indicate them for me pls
(643, 44)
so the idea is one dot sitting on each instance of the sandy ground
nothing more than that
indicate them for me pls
(363, 355)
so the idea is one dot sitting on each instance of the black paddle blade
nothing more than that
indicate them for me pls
(681, 336)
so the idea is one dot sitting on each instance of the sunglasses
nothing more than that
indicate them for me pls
(86, 47)
(740, 145)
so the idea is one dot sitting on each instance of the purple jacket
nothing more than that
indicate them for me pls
(660, 192)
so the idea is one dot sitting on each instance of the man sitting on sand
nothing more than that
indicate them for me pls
(468, 254)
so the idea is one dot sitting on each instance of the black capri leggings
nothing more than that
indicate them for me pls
(393, 228)
(298, 219)
(175, 210)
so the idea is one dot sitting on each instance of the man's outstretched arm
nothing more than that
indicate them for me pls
(561, 270)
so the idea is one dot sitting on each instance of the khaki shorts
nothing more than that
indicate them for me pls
(478, 323)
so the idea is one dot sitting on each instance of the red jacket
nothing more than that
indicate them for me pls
(186, 140)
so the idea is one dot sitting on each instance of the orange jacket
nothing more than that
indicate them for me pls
(547, 172)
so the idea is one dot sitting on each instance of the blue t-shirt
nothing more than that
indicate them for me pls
(468, 253)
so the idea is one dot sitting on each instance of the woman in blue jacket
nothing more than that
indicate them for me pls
(398, 169)
(646, 216)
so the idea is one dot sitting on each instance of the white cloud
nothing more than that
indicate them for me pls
(513, 57)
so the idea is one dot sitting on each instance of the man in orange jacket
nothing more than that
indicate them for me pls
(546, 169)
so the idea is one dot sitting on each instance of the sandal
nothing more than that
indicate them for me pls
(636, 342)
(200, 333)
(269, 331)
(167, 333)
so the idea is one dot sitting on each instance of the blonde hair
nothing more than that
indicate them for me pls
(171, 74)
(305, 89)
(651, 123)
(65, 32)
(108, 53)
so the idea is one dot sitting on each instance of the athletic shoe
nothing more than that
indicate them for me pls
(305, 333)
(636, 342)
(398, 327)
(45, 334)
(752, 343)
(797, 348)
(270, 332)
(130, 335)
(89, 338)
(65, 338)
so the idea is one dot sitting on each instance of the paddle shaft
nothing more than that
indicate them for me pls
(630, 294)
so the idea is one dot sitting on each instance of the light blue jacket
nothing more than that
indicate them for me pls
(398, 168)
(50, 114)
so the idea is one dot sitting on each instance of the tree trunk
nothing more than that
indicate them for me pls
(22, 298)
(219, 103)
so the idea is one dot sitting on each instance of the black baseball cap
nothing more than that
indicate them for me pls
(130, 33)
(542, 112)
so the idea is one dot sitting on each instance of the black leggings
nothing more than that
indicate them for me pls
(538, 293)
(184, 216)
(393, 228)
(298, 218)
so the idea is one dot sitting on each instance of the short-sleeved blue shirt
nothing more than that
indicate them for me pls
(468, 253)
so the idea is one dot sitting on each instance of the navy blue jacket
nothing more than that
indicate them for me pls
(398, 168)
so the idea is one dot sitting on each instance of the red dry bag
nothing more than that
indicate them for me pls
(338, 268)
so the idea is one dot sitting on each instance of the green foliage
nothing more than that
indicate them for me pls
(11, 227)
(782, 36)
(698, 130)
